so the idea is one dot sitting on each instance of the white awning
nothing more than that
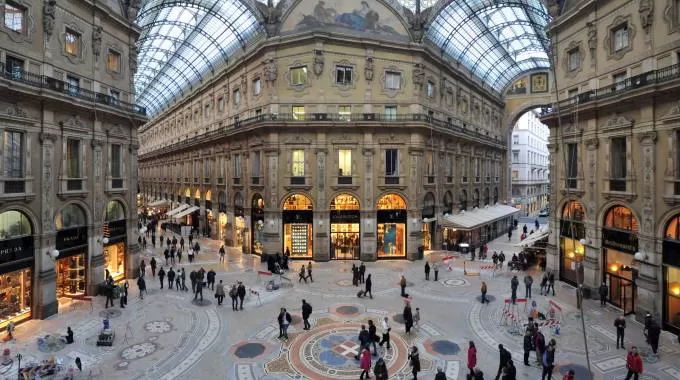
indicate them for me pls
(174, 211)
(468, 220)
(186, 212)
(158, 203)
(533, 238)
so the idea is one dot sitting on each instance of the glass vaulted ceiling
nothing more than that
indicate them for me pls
(496, 39)
(182, 42)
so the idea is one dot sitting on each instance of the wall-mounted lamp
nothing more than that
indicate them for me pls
(103, 241)
(271, 223)
(320, 223)
(53, 254)
(641, 256)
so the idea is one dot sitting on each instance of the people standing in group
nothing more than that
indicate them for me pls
(527, 345)
(408, 318)
(178, 280)
(219, 293)
(402, 284)
(620, 325)
(284, 320)
(604, 291)
(539, 345)
(484, 290)
(414, 360)
(504, 358)
(514, 283)
(385, 333)
(633, 364)
(427, 271)
(355, 275)
(181, 243)
(549, 360)
(241, 291)
(472, 358)
(544, 284)
(528, 282)
(141, 284)
(435, 267)
(199, 289)
(365, 363)
(153, 264)
(362, 272)
(161, 276)
(233, 294)
(306, 312)
(309, 271)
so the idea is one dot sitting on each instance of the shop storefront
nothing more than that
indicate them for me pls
(619, 244)
(257, 225)
(429, 222)
(115, 232)
(391, 215)
(239, 220)
(572, 252)
(671, 276)
(222, 216)
(16, 267)
(71, 242)
(298, 219)
(345, 217)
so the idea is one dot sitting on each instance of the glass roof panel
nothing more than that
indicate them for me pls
(182, 41)
(495, 39)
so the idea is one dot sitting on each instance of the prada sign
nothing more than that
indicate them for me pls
(71, 238)
(622, 241)
(16, 249)
(117, 228)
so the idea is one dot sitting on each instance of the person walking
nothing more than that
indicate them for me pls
(441, 375)
(210, 276)
(539, 345)
(514, 283)
(306, 312)
(286, 322)
(504, 358)
(364, 340)
(183, 277)
(219, 293)
(633, 364)
(141, 284)
(302, 275)
(414, 359)
(408, 318)
(309, 271)
(199, 290)
(161, 276)
(124, 294)
(142, 268)
(549, 360)
(222, 252)
(179, 256)
(528, 282)
(528, 345)
(365, 363)
(472, 358)
(604, 291)
(233, 293)
(620, 324)
(551, 283)
(402, 284)
(171, 278)
(544, 283)
(166, 254)
(380, 370)
(385, 333)
(178, 280)
(181, 243)
(368, 285)
(416, 318)
(241, 289)
(654, 332)
(153, 264)
(435, 267)
(355, 275)
(483, 290)
(109, 291)
(362, 272)
(427, 271)
(373, 338)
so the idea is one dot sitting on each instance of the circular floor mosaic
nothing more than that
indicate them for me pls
(454, 282)
(328, 352)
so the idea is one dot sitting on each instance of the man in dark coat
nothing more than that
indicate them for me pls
(369, 284)
(408, 318)
(153, 264)
(528, 345)
(504, 358)
(211, 279)
(604, 291)
(620, 324)
(364, 340)
(427, 271)
(654, 331)
(514, 283)
(171, 278)
(161, 276)
(362, 272)
(306, 312)
(241, 293)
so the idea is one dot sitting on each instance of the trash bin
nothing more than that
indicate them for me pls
(421, 252)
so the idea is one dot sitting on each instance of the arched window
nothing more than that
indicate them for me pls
(486, 196)
(463, 200)
(448, 202)
(428, 206)
(495, 195)
(208, 195)
(14, 224)
(344, 202)
(114, 211)
(70, 216)
(621, 218)
(573, 211)
(391, 202)
(673, 229)
(298, 202)
(475, 198)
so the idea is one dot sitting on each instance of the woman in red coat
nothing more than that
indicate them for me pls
(365, 363)
(634, 364)
(472, 358)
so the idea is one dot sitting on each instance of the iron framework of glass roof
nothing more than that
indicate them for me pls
(496, 40)
(182, 41)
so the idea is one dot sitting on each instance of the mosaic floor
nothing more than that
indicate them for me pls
(167, 335)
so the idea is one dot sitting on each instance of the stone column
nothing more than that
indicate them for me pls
(368, 213)
(133, 251)
(45, 282)
(592, 262)
(552, 250)
(649, 275)
(414, 237)
(321, 212)
(273, 226)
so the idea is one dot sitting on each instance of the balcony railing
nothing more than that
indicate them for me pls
(255, 180)
(391, 180)
(62, 87)
(633, 83)
(237, 180)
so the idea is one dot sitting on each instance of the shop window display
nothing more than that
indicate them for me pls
(15, 296)
(345, 227)
(71, 276)
(297, 226)
(114, 260)
(673, 296)
(391, 239)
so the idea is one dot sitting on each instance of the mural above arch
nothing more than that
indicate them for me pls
(344, 15)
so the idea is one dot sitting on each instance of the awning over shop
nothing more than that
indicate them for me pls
(174, 211)
(533, 238)
(161, 202)
(186, 212)
(478, 217)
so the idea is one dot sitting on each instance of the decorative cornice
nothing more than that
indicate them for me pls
(647, 138)
(95, 143)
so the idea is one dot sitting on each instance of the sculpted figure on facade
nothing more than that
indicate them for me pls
(244, 84)
(272, 17)
(270, 70)
(133, 8)
(49, 10)
(368, 70)
(646, 11)
(97, 40)
(418, 74)
(592, 39)
(318, 62)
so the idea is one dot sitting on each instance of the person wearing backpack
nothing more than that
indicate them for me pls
(287, 319)
(233, 294)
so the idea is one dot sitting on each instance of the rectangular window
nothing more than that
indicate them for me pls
(14, 165)
(449, 167)
(429, 161)
(620, 37)
(14, 67)
(116, 161)
(345, 113)
(115, 97)
(515, 175)
(618, 164)
(73, 158)
(515, 156)
(206, 111)
(257, 86)
(256, 164)
(619, 81)
(391, 162)
(220, 104)
(113, 61)
(574, 57)
(430, 89)
(237, 166)
(298, 112)
(73, 85)
(390, 112)
(14, 16)
(345, 162)
(298, 168)
(478, 169)
(392, 80)
(343, 75)
(72, 43)
(298, 76)
(572, 165)
(237, 97)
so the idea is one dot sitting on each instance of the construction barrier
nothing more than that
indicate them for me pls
(475, 268)
(510, 316)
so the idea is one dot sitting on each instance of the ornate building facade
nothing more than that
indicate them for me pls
(333, 141)
(68, 171)
(614, 147)
(530, 173)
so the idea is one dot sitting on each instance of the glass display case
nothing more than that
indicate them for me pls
(15, 296)
(71, 276)
(114, 260)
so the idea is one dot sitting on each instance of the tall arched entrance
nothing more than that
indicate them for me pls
(671, 275)
(16, 267)
(345, 220)
(72, 244)
(115, 231)
(572, 252)
(391, 234)
(619, 245)
(222, 215)
(257, 225)
(298, 226)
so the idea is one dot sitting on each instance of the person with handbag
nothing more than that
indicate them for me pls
(380, 370)
(386, 333)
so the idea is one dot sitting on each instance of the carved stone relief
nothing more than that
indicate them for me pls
(646, 11)
(16, 111)
(270, 71)
(418, 75)
(672, 16)
(647, 143)
(368, 69)
(318, 62)
(132, 58)
(592, 42)
(47, 182)
(97, 41)
(133, 9)
(49, 12)
(463, 102)
(98, 194)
